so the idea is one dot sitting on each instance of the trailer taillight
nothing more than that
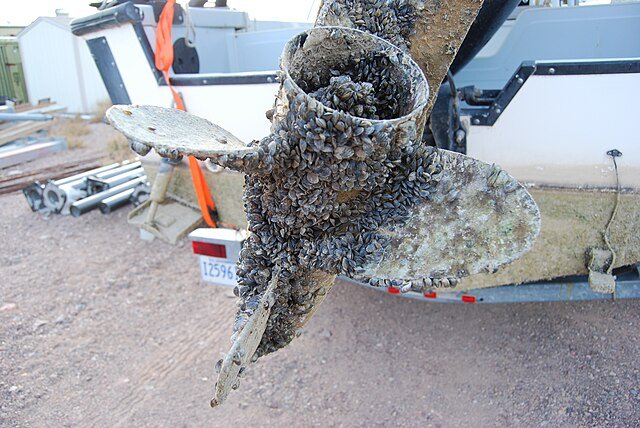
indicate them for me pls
(208, 249)
(443, 297)
(467, 298)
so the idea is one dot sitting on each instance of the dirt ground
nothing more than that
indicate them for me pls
(100, 328)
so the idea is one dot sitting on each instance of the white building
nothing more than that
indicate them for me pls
(59, 66)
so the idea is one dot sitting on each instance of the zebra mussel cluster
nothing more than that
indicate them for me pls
(392, 20)
(339, 165)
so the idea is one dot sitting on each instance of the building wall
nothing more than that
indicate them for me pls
(58, 65)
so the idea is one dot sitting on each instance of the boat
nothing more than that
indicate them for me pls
(551, 97)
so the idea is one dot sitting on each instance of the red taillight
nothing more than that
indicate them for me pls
(468, 298)
(393, 290)
(430, 295)
(211, 250)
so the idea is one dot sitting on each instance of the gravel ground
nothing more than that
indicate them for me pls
(99, 328)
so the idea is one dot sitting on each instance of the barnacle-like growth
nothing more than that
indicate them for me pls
(344, 185)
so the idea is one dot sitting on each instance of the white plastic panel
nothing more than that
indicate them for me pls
(555, 33)
(240, 109)
(260, 50)
(557, 131)
(137, 76)
(237, 108)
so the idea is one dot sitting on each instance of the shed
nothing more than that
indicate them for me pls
(12, 85)
(10, 30)
(59, 66)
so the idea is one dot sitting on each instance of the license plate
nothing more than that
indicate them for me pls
(218, 271)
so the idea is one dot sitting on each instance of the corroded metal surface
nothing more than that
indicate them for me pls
(340, 178)
(477, 219)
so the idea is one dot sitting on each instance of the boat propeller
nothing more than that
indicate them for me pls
(344, 185)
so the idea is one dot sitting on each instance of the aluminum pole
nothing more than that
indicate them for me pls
(114, 202)
(90, 202)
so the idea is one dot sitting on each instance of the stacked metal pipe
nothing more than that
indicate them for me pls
(107, 188)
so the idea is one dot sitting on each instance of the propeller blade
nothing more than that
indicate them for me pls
(244, 345)
(478, 219)
(174, 133)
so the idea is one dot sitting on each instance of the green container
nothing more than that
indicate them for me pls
(12, 84)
